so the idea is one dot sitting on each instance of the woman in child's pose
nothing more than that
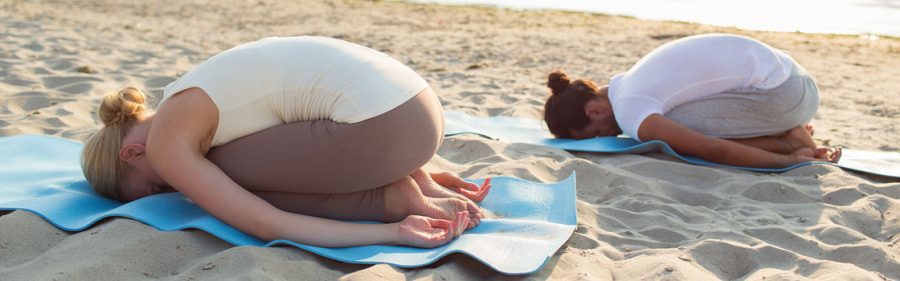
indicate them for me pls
(724, 98)
(282, 136)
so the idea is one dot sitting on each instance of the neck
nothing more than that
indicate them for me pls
(604, 97)
(604, 92)
(141, 127)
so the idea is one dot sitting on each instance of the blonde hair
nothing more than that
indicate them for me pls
(100, 158)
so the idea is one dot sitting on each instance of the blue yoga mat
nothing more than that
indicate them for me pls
(532, 131)
(42, 175)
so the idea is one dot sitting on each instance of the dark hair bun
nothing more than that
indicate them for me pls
(558, 81)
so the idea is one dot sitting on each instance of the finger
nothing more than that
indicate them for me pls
(467, 223)
(473, 221)
(437, 239)
(441, 229)
(447, 238)
(823, 153)
(836, 156)
(486, 182)
(483, 192)
(439, 223)
(449, 180)
(463, 184)
(460, 221)
(465, 193)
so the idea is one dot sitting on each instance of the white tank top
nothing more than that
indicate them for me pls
(280, 80)
(693, 68)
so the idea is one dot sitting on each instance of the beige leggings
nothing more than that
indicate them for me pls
(330, 169)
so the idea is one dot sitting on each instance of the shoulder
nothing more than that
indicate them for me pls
(189, 114)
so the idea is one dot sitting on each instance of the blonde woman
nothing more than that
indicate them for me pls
(283, 138)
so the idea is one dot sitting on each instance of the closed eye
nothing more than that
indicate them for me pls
(162, 189)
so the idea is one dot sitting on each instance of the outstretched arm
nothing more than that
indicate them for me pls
(688, 141)
(175, 150)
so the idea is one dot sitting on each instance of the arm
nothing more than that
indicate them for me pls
(184, 123)
(688, 141)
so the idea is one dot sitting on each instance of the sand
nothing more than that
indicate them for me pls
(644, 217)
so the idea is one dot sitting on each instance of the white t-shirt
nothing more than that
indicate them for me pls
(692, 68)
(280, 80)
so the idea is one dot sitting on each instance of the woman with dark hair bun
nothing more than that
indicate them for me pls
(725, 98)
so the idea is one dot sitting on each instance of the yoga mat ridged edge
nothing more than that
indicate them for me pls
(598, 144)
(71, 177)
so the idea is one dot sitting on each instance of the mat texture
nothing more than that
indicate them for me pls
(532, 131)
(42, 175)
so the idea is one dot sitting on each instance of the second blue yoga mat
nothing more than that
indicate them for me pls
(532, 131)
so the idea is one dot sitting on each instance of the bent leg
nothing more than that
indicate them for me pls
(749, 114)
(366, 205)
(787, 143)
(390, 203)
(325, 157)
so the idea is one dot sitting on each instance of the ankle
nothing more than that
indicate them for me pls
(399, 198)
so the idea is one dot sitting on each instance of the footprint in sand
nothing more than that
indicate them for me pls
(777, 192)
(24, 105)
(70, 84)
(59, 64)
(158, 82)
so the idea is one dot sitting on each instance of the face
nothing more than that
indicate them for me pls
(602, 121)
(141, 181)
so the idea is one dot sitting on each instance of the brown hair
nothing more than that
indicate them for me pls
(100, 158)
(564, 109)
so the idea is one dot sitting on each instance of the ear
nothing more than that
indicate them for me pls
(596, 110)
(131, 152)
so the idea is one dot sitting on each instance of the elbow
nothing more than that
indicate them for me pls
(265, 227)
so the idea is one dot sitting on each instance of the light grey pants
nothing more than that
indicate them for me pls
(753, 113)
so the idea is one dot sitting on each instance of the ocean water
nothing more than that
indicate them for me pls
(866, 17)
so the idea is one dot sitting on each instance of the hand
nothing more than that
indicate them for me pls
(830, 154)
(424, 232)
(823, 153)
(469, 190)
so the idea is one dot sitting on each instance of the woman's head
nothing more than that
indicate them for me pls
(112, 158)
(578, 109)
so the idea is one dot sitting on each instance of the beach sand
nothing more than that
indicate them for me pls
(644, 217)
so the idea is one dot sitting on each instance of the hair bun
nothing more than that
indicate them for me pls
(119, 108)
(558, 81)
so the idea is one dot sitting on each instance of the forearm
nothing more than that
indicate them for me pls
(330, 233)
(690, 142)
(733, 153)
(219, 195)
(768, 143)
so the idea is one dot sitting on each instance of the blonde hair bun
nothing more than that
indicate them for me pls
(120, 108)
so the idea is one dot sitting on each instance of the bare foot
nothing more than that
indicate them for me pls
(403, 198)
(824, 153)
(799, 137)
(829, 154)
(430, 188)
(809, 129)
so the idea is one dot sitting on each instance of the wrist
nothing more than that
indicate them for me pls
(786, 160)
(390, 234)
